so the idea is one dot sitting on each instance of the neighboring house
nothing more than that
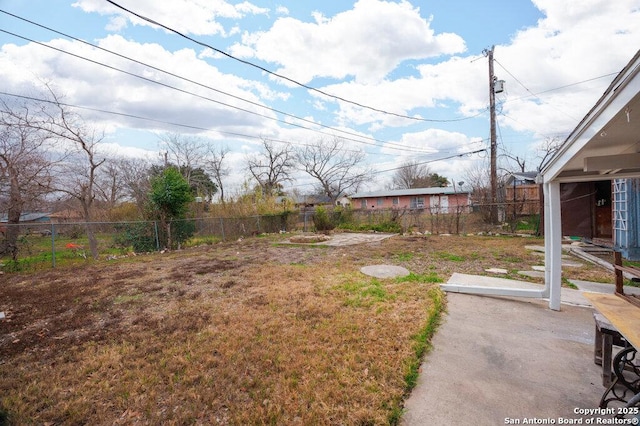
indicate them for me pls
(29, 218)
(310, 202)
(435, 200)
(25, 219)
(343, 201)
(522, 194)
(67, 216)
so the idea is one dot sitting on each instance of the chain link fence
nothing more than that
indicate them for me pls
(45, 245)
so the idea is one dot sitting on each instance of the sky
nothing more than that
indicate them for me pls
(397, 80)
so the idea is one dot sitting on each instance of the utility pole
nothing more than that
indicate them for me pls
(492, 113)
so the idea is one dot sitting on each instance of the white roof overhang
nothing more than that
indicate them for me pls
(606, 143)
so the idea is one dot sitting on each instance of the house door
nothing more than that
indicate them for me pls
(603, 219)
(439, 204)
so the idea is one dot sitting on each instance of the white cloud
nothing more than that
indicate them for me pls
(197, 17)
(86, 84)
(366, 42)
(572, 43)
(282, 10)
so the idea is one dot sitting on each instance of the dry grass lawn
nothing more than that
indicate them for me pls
(250, 332)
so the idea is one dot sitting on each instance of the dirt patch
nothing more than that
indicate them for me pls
(249, 332)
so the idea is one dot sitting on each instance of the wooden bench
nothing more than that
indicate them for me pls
(621, 315)
(606, 337)
(619, 270)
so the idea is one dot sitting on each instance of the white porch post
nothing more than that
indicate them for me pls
(553, 244)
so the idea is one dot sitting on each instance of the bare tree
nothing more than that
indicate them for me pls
(77, 175)
(214, 164)
(409, 173)
(110, 185)
(547, 150)
(336, 168)
(136, 181)
(25, 165)
(543, 153)
(412, 174)
(272, 167)
(185, 152)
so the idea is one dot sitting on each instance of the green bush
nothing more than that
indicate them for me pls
(140, 236)
(321, 220)
(181, 231)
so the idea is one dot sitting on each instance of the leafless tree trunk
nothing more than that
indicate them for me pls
(77, 176)
(185, 152)
(272, 167)
(110, 183)
(544, 152)
(136, 181)
(412, 174)
(336, 168)
(25, 165)
(214, 165)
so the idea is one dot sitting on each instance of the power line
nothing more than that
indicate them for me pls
(560, 87)
(297, 83)
(390, 145)
(188, 126)
(532, 94)
(435, 160)
(182, 77)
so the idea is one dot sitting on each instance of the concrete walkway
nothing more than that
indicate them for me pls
(495, 359)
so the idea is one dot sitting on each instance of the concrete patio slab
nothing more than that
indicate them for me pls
(568, 296)
(603, 288)
(348, 238)
(497, 271)
(495, 359)
(532, 274)
(385, 271)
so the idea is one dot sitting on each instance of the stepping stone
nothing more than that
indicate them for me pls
(532, 274)
(497, 271)
(385, 271)
(538, 268)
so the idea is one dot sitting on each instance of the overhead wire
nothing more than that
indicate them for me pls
(188, 126)
(390, 145)
(463, 154)
(138, 117)
(185, 78)
(561, 87)
(532, 94)
(283, 77)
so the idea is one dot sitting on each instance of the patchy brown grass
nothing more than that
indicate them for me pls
(238, 333)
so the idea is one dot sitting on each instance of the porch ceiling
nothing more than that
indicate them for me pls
(606, 144)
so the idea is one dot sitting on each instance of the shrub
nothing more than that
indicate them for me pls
(181, 231)
(140, 236)
(321, 220)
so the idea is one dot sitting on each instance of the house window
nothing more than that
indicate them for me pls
(417, 203)
(439, 204)
(380, 202)
(363, 203)
(396, 201)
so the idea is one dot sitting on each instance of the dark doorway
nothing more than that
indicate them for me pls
(603, 227)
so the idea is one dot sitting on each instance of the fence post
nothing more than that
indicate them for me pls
(258, 223)
(53, 245)
(155, 227)
(222, 229)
